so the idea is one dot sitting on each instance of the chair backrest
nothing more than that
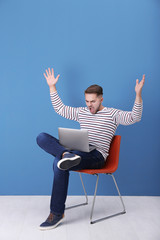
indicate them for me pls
(111, 161)
(113, 157)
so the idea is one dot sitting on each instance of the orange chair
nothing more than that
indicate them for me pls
(109, 168)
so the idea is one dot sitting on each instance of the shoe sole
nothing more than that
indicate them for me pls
(50, 227)
(67, 163)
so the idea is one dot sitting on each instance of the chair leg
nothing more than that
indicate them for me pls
(124, 210)
(95, 192)
(113, 215)
(84, 189)
(81, 204)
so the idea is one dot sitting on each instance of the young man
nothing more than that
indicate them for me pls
(101, 123)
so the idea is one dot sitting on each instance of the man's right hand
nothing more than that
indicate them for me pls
(51, 80)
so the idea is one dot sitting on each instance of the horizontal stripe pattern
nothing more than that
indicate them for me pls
(102, 125)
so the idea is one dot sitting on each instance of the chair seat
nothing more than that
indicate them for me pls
(105, 169)
(112, 160)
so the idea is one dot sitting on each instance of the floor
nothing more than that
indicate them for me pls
(20, 217)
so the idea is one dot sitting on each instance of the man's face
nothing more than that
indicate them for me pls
(93, 102)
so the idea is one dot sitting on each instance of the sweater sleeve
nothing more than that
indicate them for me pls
(128, 117)
(65, 111)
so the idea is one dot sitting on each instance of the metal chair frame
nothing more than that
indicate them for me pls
(94, 198)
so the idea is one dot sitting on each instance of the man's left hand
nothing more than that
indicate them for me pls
(139, 85)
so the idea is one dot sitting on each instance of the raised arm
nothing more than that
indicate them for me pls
(130, 117)
(59, 107)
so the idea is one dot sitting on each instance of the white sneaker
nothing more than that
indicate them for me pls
(68, 161)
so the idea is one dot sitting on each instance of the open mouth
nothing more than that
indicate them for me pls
(91, 109)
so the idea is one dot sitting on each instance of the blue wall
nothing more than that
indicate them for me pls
(108, 42)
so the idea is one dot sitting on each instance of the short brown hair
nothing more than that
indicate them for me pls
(95, 89)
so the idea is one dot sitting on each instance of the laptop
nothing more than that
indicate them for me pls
(75, 139)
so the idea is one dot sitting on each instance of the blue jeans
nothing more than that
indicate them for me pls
(93, 159)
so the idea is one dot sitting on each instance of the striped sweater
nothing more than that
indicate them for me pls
(102, 125)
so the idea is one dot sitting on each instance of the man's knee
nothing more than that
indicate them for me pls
(41, 138)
